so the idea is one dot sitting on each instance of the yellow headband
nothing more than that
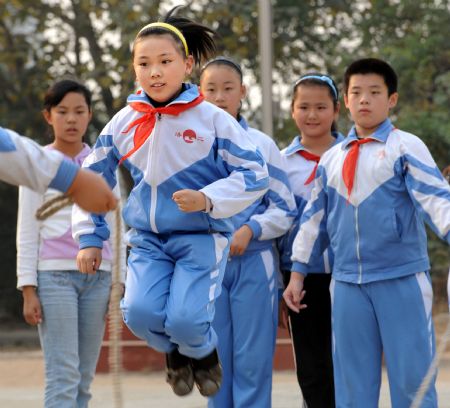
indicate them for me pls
(169, 27)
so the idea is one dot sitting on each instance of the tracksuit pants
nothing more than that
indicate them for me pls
(171, 287)
(391, 317)
(246, 323)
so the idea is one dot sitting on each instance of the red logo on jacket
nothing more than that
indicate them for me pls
(189, 136)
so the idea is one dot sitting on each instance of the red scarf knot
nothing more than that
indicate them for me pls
(146, 123)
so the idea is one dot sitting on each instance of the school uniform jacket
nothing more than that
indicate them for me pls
(203, 148)
(270, 216)
(24, 162)
(378, 233)
(299, 170)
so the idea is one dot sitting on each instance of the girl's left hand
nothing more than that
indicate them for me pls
(189, 200)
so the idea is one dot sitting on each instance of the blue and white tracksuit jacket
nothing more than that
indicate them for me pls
(176, 264)
(247, 309)
(381, 292)
(24, 162)
(298, 170)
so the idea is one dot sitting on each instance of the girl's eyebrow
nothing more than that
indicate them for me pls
(164, 54)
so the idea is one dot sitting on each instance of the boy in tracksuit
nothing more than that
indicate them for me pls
(371, 210)
(24, 162)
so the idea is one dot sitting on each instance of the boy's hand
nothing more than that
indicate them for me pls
(89, 260)
(294, 292)
(90, 191)
(189, 200)
(240, 241)
(32, 311)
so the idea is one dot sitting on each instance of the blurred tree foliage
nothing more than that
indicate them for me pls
(44, 40)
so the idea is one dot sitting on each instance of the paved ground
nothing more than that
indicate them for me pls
(22, 384)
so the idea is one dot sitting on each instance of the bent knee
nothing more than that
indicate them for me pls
(185, 329)
(142, 318)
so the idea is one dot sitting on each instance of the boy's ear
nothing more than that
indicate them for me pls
(393, 100)
(47, 116)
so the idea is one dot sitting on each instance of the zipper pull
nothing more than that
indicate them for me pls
(159, 116)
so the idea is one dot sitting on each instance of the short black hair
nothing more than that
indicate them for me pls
(56, 93)
(372, 66)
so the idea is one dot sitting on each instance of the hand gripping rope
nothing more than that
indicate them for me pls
(114, 316)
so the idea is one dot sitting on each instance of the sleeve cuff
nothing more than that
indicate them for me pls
(255, 227)
(27, 281)
(208, 204)
(300, 267)
(90, 240)
(64, 176)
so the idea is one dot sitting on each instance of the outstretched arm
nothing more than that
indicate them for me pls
(24, 162)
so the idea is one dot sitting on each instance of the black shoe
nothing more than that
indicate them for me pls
(179, 373)
(208, 374)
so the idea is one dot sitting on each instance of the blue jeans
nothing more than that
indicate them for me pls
(74, 307)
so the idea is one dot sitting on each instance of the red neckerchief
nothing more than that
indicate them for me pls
(349, 167)
(146, 123)
(311, 157)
